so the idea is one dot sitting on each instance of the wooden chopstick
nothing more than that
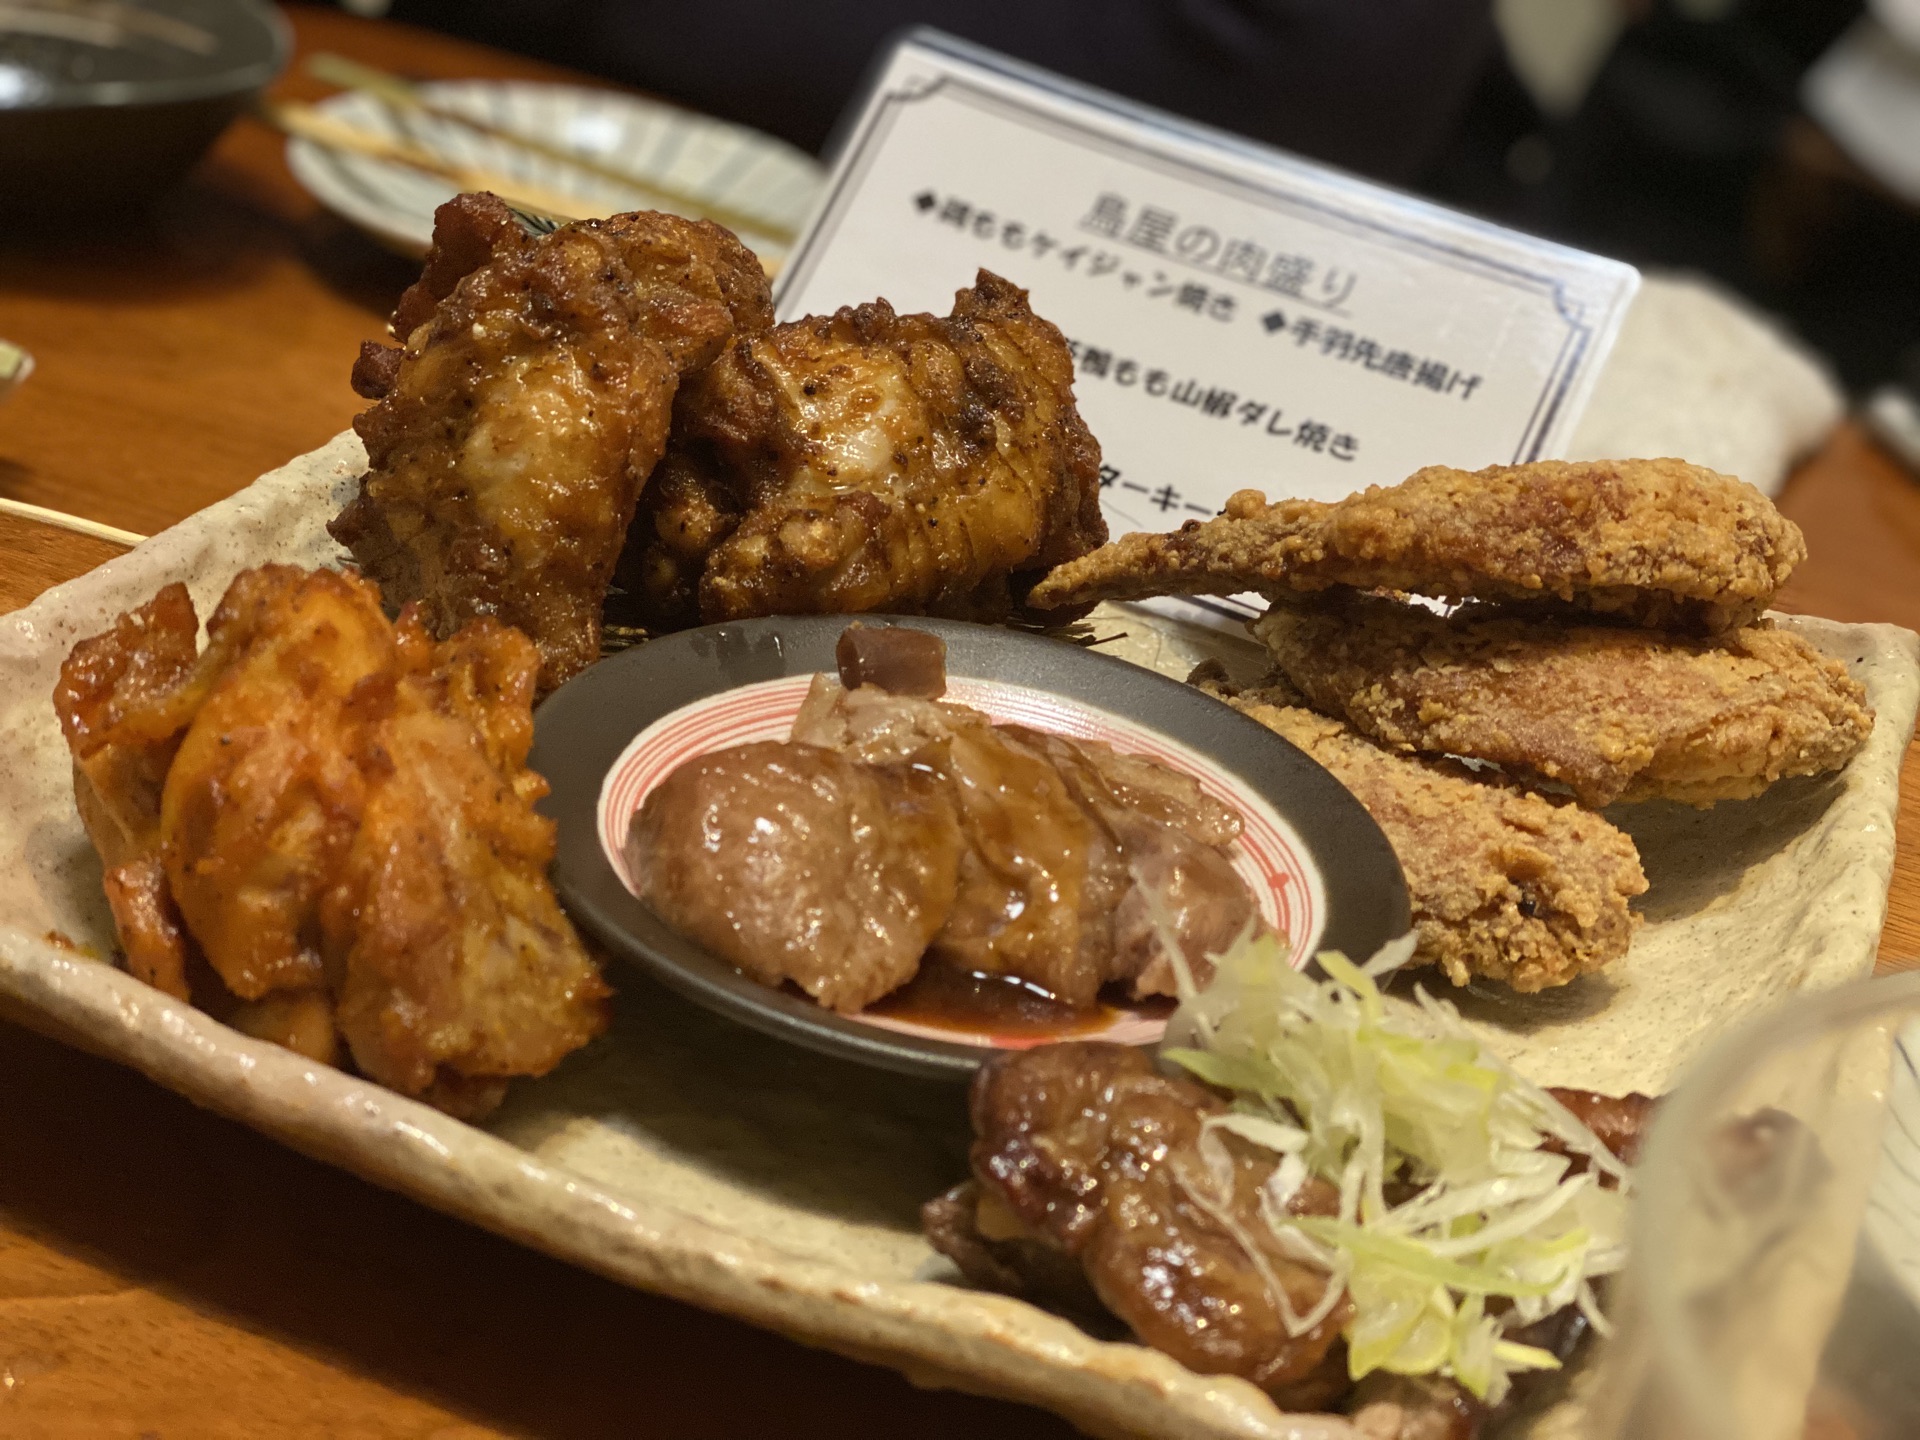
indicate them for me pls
(405, 95)
(60, 519)
(307, 123)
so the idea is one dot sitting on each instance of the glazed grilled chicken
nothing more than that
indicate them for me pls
(1090, 1190)
(891, 826)
(868, 461)
(532, 398)
(322, 830)
(1084, 1150)
(832, 874)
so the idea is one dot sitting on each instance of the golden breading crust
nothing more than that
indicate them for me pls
(1612, 713)
(1659, 542)
(1506, 885)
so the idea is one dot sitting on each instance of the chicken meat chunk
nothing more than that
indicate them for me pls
(321, 829)
(1612, 713)
(529, 402)
(870, 461)
(1505, 884)
(895, 829)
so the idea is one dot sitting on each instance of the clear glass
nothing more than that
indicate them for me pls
(1774, 1290)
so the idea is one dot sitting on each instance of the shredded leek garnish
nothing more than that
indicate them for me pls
(1377, 1100)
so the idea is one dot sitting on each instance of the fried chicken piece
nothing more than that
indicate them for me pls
(1505, 884)
(342, 838)
(796, 862)
(459, 968)
(868, 461)
(1611, 713)
(1659, 542)
(1084, 1149)
(513, 433)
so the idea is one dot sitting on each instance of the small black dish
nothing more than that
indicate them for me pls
(103, 106)
(1356, 897)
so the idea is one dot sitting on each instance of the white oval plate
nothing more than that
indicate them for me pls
(710, 160)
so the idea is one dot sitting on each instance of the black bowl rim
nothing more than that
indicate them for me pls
(243, 79)
(1366, 893)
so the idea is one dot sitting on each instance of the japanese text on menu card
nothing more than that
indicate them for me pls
(1238, 318)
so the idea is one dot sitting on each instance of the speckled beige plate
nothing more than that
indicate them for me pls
(697, 1159)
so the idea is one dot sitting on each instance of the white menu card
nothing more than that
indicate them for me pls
(1239, 318)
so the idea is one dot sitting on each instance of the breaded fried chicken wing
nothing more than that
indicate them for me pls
(1612, 713)
(321, 829)
(869, 461)
(1505, 884)
(514, 431)
(1659, 542)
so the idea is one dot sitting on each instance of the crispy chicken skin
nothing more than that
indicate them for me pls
(1506, 885)
(869, 461)
(1612, 713)
(341, 848)
(1659, 542)
(532, 398)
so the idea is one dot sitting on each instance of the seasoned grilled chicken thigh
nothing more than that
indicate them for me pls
(869, 461)
(514, 431)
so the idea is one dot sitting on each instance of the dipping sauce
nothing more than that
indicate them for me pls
(943, 997)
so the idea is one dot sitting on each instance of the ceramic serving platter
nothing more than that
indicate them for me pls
(688, 1155)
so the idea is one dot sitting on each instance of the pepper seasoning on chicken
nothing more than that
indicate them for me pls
(869, 461)
(530, 403)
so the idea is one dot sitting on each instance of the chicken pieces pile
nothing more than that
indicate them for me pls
(893, 827)
(321, 830)
(864, 461)
(1610, 645)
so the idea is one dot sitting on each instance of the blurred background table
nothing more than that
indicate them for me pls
(165, 1274)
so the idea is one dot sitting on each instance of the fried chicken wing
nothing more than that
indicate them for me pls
(1659, 542)
(868, 461)
(1611, 713)
(532, 398)
(1505, 884)
(331, 830)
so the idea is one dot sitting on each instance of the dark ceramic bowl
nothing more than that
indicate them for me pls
(1322, 871)
(106, 105)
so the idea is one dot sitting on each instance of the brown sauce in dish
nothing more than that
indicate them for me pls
(948, 998)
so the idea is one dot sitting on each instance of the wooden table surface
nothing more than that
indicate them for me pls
(167, 1275)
